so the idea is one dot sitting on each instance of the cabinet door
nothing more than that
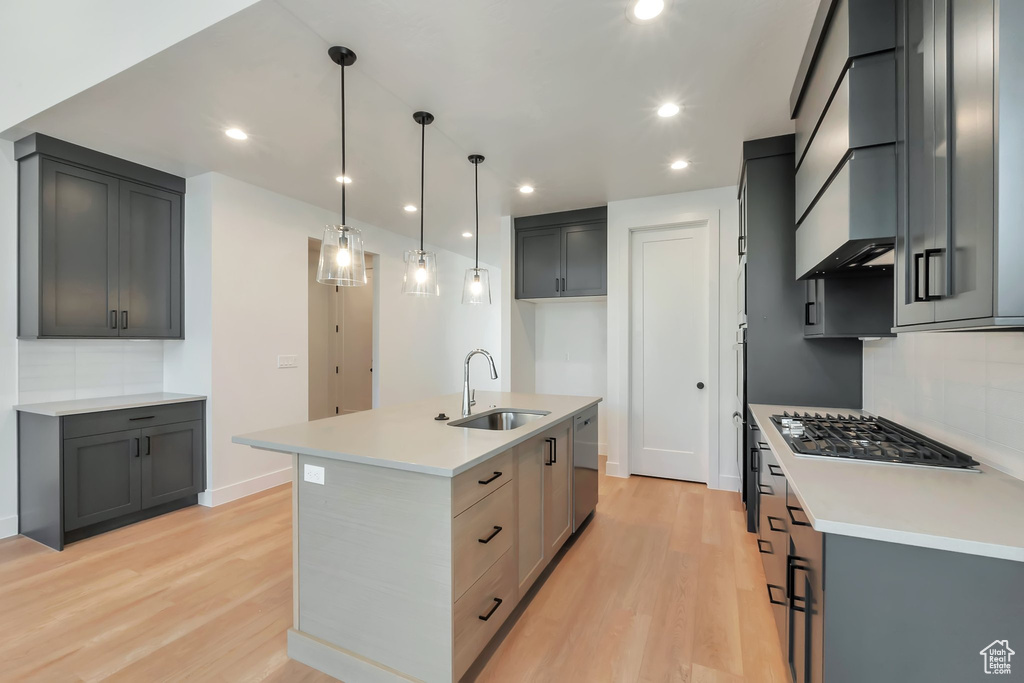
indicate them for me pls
(557, 494)
(584, 260)
(172, 462)
(101, 478)
(922, 171)
(965, 279)
(538, 263)
(78, 252)
(530, 458)
(150, 262)
(813, 326)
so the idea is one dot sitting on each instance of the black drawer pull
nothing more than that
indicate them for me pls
(494, 533)
(760, 547)
(791, 580)
(771, 598)
(147, 445)
(551, 452)
(494, 607)
(488, 481)
(791, 509)
(755, 460)
(124, 320)
(144, 417)
(776, 519)
(776, 470)
(135, 447)
(761, 489)
(113, 320)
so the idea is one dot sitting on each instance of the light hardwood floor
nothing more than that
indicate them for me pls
(663, 586)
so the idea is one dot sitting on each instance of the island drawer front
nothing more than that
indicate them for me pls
(473, 484)
(480, 612)
(480, 535)
(89, 424)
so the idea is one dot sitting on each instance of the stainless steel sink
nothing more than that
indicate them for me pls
(499, 419)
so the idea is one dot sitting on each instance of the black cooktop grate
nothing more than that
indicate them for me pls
(866, 438)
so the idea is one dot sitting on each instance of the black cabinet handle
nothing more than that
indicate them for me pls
(490, 612)
(928, 254)
(739, 245)
(551, 452)
(124, 320)
(489, 479)
(771, 598)
(807, 313)
(917, 277)
(113, 319)
(563, 284)
(791, 509)
(760, 546)
(761, 489)
(772, 467)
(494, 533)
(755, 457)
(556, 284)
(554, 442)
(776, 519)
(147, 445)
(144, 417)
(135, 447)
(791, 568)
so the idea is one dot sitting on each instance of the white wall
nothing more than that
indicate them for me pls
(518, 323)
(8, 339)
(65, 369)
(720, 204)
(258, 310)
(572, 353)
(965, 389)
(62, 47)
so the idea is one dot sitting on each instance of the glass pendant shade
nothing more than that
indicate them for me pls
(420, 273)
(477, 287)
(342, 262)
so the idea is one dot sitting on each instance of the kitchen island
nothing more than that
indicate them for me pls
(415, 538)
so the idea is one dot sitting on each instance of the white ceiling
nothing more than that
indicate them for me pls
(559, 94)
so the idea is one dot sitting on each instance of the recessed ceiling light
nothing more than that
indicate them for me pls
(344, 179)
(410, 208)
(526, 189)
(642, 11)
(467, 234)
(236, 134)
(680, 164)
(668, 109)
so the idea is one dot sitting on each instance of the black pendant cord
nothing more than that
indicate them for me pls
(423, 154)
(476, 194)
(344, 176)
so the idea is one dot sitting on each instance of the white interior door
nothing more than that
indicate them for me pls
(669, 322)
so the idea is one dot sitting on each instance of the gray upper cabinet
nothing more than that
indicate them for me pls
(562, 254)
(100, 245)
(960, 239)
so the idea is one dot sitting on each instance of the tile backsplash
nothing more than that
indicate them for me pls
(965, 389)
(59, 370)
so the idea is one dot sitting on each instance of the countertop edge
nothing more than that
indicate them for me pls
(42, 409)
(413, 467)
(877, 533)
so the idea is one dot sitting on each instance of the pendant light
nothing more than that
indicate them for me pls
(477, 287)
(342, 262)
(421, 266)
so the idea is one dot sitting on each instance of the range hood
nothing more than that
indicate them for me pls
(852, 224)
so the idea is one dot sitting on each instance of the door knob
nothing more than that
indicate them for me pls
(700, 385)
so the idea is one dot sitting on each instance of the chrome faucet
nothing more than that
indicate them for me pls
(466, 402)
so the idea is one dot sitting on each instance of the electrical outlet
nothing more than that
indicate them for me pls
(314, 474)
(287, 361)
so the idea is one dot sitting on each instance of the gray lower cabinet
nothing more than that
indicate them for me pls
(960, 239)
(100, 245)
(562, 254)
(80, 475)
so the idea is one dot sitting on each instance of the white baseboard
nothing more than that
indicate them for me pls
(8, 526)
(225, 494)
(614, 469)
(729, 482)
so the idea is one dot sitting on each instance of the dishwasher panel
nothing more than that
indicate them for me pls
(584, 466)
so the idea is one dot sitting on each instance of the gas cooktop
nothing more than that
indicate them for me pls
(873, 439)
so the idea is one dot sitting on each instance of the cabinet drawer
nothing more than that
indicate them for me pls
(131, 418)
(473, 484)
(480, 612)
(862, 113)
(480, 535)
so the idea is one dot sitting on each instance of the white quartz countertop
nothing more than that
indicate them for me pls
(975, 513)
(407, 437)
(97, 405)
